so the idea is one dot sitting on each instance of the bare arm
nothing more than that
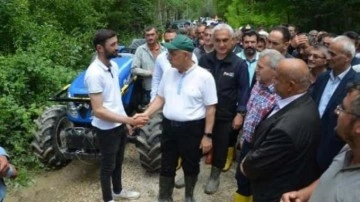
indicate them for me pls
(206, 142)
(209, 118)
(102, 113)
(154, 106)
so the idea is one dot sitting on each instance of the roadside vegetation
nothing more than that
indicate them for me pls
(44, 44)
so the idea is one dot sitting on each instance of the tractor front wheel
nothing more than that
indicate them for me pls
(50, 142)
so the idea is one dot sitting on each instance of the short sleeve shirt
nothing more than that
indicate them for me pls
(98, 79)
(187, 94)
(341, 181)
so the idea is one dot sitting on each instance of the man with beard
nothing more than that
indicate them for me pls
(249, 54)
(144, 61)
(232, 84)
(279, 39)
(110, 120)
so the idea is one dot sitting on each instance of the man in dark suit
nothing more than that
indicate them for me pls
(329, 91)
(284, 152)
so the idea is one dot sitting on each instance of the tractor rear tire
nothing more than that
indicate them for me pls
(49, 143)
(148, 144)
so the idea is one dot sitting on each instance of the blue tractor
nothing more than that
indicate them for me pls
(64, 131)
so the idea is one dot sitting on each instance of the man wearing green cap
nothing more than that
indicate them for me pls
(187, 94)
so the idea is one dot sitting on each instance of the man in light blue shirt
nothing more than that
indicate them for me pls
(249, 54)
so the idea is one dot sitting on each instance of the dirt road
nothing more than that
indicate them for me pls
(79, 182)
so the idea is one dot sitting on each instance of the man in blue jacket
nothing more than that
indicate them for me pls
(232, 83)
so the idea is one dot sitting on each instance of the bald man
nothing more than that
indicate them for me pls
(284, 151)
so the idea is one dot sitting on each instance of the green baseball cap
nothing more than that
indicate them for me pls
(180, 42)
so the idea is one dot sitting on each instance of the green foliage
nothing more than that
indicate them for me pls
(43, 45)
(329, 15)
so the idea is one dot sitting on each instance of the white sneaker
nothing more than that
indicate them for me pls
(126, 194)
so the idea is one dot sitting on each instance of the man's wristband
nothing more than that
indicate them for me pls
(242, 113)
(209, 135)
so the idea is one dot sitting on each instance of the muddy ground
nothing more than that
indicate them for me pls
(79, 182)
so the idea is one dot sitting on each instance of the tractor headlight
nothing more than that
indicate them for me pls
(72, 110)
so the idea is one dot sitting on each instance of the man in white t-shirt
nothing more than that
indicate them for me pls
(187, 94)
(110, 119)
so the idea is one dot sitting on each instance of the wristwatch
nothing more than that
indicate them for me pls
(209, 135)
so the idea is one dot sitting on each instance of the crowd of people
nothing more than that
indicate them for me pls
(288, 100)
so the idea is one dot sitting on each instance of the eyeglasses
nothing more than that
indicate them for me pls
(316, 56)
(339, 109)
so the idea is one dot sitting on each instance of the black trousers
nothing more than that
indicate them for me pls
(112, 146)
(181, 139)
(243, 183)
(223, 137)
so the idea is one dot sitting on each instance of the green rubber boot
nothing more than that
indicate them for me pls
(190, 183)
(166, 187)
(213, 182)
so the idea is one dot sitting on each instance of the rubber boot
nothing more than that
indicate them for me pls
(241, 198)
(229, 159)
(166, 186)
(190, 183)
(180, 183)
(213, 182)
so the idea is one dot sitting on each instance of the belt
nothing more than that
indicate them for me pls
(183, 123)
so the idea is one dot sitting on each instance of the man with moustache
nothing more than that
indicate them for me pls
(279, 39)
(249, 54)
(261, 101)
(283, 156)
(110, 120)
(144, 61)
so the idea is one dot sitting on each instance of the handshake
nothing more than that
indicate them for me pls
(139, 120)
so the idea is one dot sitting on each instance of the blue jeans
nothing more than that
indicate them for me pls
(112, 147)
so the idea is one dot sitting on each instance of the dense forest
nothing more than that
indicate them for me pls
(45, 43)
